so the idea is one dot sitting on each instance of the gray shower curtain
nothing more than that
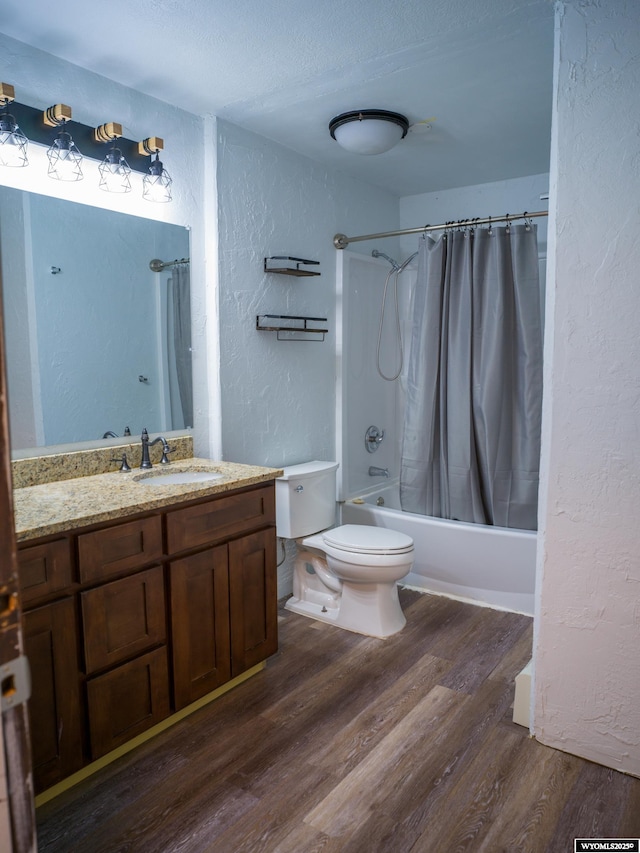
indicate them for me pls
(179, 346)
(471, 442)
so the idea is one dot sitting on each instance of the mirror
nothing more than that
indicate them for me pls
(96, 341)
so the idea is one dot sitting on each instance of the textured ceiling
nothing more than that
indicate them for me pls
(284, 68)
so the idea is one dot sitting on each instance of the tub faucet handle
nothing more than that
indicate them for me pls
(372, 438)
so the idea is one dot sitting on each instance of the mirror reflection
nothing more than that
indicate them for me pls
(96, 340)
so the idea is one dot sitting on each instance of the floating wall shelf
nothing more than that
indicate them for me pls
(290, 327)
(286, 268)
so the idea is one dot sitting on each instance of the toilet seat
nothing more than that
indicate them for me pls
(366, 539)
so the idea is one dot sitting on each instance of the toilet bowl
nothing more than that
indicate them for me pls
(343, 575)
(355, 590)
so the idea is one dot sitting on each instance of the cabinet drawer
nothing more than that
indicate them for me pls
(219, 519)
(44, 569)
(121, 548)
(123, 618)
(127, 701)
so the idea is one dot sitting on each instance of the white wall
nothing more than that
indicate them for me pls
(41, 80)
(278, 398)
(587, 666)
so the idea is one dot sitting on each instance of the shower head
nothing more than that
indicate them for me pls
(376, 254)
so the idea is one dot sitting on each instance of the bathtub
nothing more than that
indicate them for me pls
(494, 566)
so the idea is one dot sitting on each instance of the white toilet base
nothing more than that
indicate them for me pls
(314, 611)
(370, 609)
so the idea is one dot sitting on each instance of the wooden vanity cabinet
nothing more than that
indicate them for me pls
(128, 622)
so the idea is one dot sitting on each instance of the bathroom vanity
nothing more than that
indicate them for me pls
(138, 601)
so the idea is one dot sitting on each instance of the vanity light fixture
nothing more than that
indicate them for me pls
(13, 142)
(65, 161)
(114, 169)
(368, 131)
(156, 185)
(22, 125)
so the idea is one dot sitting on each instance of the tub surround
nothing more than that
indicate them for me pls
(54, 507)
(51, 467)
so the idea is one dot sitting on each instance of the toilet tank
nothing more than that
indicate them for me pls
(306, 499)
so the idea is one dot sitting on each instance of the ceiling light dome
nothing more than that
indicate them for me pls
(368, 131)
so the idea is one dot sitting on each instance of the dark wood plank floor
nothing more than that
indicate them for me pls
(347, 744)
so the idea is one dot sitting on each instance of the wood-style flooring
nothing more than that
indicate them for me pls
(347, 744)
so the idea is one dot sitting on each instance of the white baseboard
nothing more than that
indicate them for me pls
(522, 700)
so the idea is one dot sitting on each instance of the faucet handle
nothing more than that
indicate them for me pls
(123, 460)
(165, 450)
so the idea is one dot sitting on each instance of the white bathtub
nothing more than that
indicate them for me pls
(489, 565)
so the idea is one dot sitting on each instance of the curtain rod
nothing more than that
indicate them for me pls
(156, 265)
(341, 241)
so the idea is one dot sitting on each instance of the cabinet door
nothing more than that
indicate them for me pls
(200, 624)
(127, 701)
(253, 599)
(54, 708)
(44, 569)
(123, 618)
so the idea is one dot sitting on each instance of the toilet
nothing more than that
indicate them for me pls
(344, 575)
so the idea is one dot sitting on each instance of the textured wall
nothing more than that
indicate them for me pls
(278, 398)
(587, 667)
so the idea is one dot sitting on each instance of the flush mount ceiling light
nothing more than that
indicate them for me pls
(65, 161)
(13, 142)
(368, 131)
(114, 169)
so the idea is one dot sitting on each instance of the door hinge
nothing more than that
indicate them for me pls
(15, 683)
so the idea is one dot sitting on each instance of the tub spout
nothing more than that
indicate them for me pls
(378, 472)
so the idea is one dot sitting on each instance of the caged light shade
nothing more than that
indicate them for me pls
(65, 161)
(13, 142)
(368, 131)
(156, 184)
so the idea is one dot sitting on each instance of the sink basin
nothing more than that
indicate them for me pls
(178, 478)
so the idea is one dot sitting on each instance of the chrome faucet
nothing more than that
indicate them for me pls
(378, 472)
(165, 449)
(111, 434)
(146, 444)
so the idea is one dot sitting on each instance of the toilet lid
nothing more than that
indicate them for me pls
(366, 539)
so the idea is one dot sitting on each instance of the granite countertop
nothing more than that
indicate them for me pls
(65, 505)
